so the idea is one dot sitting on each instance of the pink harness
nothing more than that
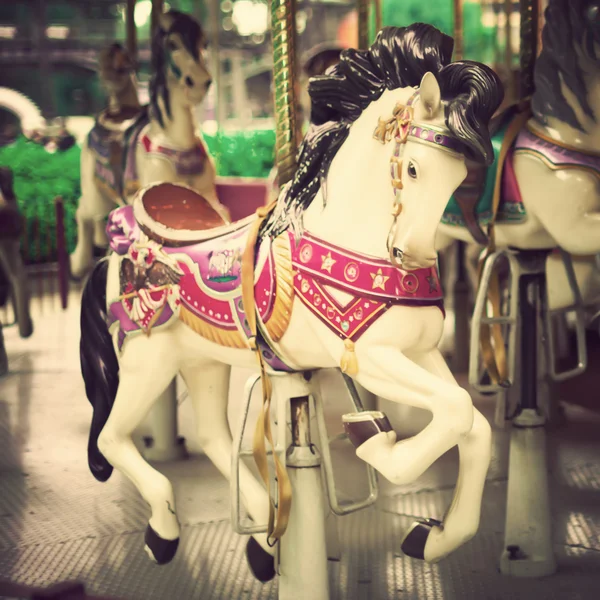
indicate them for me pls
(187, 162)
(375, 285)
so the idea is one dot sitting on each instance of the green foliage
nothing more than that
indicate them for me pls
(478, 39)
(40, 177)
(243, 153)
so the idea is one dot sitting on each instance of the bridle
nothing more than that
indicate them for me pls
(400, 127)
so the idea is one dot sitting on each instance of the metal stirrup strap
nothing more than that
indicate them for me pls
(494, 354)
(278, 518)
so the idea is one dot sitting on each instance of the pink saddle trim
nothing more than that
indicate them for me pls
(510, 186)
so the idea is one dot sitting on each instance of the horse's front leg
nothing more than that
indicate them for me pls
(388, 373)
(147, 365)
(426, 540)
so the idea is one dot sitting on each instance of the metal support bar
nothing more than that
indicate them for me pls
(578, 308)
(528, 541)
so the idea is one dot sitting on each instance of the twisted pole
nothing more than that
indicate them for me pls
(283, 28)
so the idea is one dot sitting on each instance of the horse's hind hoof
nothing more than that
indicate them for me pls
(362, 426)
(161, 550)
(414, 541)
(261, 563)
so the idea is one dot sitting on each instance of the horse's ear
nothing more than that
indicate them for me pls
(430, 94)
(165, 21)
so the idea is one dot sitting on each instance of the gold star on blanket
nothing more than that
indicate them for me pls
(432, 284)
(328, 262)
(379, 280)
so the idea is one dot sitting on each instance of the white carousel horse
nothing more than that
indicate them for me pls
(552, 173)
(130, 147)
(330, 267)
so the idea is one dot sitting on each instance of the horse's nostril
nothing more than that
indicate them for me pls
(398, 254)
(189, 81)
(208, 83)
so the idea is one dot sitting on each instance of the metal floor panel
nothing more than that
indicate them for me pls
(57, 523)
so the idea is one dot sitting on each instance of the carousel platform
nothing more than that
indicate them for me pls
(57, 523)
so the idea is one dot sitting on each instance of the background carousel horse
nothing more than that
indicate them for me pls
(131, 146)
(322, 277)
(13, 279)
(550, 176)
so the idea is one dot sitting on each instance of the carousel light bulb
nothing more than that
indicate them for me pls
(143, 10)
(57, 32)
(250, 18)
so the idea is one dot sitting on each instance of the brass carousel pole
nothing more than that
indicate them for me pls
(460, 290)
(363, 24)
(508, 38)
(378, 16)
(530, 19)
(157, 11)
(458, 30)
(216, 67)
(283, 25)
(131, 31)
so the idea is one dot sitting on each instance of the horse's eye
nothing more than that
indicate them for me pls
(171, 46)
(411, 170)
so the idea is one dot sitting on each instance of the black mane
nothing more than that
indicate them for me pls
(191, 34)
(399, 57)
(569, 23)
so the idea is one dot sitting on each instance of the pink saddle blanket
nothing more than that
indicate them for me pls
(157, 281)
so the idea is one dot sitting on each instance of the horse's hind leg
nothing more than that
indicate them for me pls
(147, 366)
(208, 387)
(11, 261)
(462, 519)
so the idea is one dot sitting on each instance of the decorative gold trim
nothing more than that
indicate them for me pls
(533, 129)
(229, 339)
(556, 167)
(280, 317)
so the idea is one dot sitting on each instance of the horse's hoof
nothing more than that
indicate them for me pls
(261, 563)
(362, 426)
(414, 541)
(27, 330)
(162, 550)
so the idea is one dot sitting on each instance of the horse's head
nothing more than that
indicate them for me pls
(433, 132)
(178, 62)
(116, 68)
(435, 112)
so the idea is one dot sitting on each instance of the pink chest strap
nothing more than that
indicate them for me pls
(374, 284)
(187, 162)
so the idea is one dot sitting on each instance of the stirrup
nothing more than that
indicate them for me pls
(347, 507)
(510, 321)
(244, 525)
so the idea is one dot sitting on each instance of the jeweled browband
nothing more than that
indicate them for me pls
(401, 126)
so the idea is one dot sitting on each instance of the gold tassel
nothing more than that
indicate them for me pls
(349, 363)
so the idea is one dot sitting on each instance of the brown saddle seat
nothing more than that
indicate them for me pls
(176, 215)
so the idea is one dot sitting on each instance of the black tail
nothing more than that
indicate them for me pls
(99, 364)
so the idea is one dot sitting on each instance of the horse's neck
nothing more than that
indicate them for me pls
(178, 130)
(587, 140)
(358, 192)
(128, 97)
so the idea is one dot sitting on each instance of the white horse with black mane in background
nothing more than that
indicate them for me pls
(347, 278)
(132, 146)
(547, 160)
